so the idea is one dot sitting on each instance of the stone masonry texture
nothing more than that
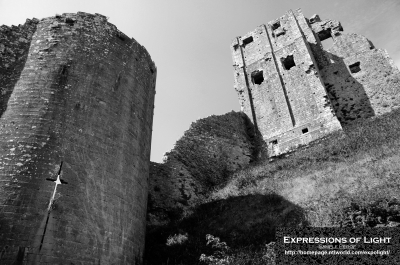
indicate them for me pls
(212, 149)
(295, 91)
(76, 101)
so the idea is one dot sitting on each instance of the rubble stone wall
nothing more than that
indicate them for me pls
(212, 149)
(362, 81)
(14, 46)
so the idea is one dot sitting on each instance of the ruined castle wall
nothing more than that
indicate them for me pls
(321, 30)
(211, 150)
(172, 191)
(362, 81)
(14, 47)
(283, 93)
(84, 99)
(259, 62)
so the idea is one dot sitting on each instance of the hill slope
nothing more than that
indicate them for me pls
(351, 178)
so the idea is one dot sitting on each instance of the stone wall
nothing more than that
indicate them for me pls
(14, 47)
(203, 158)
(296, 92)
(276, 76)
(362, 81)
(81, 107)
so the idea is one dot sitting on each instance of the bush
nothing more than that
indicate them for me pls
(224, 255)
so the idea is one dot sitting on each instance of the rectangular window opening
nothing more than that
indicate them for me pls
(355, 67)
(277, 30)
(257, 77)
(324, 34)
(274, 142)
(276, 25)
(288, 62)
(305, 130)
(278, 33)
(247, 41)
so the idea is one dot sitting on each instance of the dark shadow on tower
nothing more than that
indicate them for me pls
(348, 96)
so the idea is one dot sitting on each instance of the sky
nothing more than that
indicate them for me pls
(189, 41)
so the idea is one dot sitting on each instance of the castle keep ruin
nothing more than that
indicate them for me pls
(76, 111)
(296, 92)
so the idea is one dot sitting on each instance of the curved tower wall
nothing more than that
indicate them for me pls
(81, 108)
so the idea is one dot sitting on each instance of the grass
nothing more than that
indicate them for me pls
(360, 165)
(314, 186)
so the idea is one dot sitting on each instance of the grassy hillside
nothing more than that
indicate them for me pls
(360, 166)
(351, 178)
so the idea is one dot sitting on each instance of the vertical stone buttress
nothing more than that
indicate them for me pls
(77, 109)
(279, 84)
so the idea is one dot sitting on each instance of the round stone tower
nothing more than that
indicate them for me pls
(77, 99)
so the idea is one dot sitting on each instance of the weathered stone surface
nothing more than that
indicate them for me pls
(362, 81)
(204, 157)
(325, 29)
(279, 85)
(74, 91)
(295, 92)
(14, 47)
